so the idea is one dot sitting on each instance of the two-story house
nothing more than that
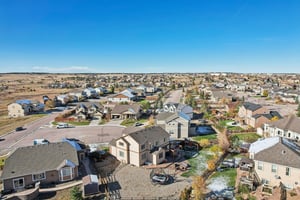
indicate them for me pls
(178, 107)
(141, 146)
(176, 124)
(288, 127)
(248, 109)
(277, 160)
(24, 107)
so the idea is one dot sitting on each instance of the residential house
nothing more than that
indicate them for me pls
(90, 93)
(85, 111)
(288, 127)
(62, 99)
(259, 120)
(178, 107)
(217, 96)
(276, 160)
(123, 111)
(147, 88)
(141, 146)
(47, 164)
(24, 107)
(176, 124)
(127, 95)
(248, 109)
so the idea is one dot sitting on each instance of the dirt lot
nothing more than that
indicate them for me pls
(134, 182)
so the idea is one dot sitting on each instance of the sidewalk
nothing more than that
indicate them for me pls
(61, 187)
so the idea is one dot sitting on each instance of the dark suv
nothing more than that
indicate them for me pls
(20, 128)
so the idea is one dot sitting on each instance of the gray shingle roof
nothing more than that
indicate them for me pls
(163, 115)
(38, 158)
(284, 153)
(119, 109)
(269, 115)
(251, 106)
(291, 123)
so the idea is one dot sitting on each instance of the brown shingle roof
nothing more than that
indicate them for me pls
(119, 109)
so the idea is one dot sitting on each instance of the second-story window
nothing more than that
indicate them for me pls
(274, 168)
(260, 165)
(143, 146)
(121, 144)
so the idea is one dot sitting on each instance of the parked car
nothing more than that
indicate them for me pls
(20, 128)
(160, 178)
(138, 124)
(64, 125)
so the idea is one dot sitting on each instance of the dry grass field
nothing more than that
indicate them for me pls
(25, 86)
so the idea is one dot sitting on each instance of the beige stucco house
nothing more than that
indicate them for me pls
(288, 127)
(276, 160)
(139, 146)
(176, 124)
(24, 107)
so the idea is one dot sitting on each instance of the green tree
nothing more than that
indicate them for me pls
(112, 89)
(145, 105)
(298, 110)
(76, 193)
(173, 87)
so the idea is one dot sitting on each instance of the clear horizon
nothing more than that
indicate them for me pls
(150, 36)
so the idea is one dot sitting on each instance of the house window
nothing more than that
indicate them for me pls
(37, 177)
(18, 183)
(144, 156)
(156, 143)
(164, 139)
(121, 144)
(287, 171)
(278, 132)
(171, 132)
(274, 168)
(289, 135)
(143, 146)
(160, 155)
(121, 153)
(66, 171)
(260, 165)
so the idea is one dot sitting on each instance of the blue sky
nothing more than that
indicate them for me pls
(149, 36)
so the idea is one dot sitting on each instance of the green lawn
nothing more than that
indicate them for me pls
(247, 137)
(229, 173)
(128, 122)
(209, 137)
(83, 123)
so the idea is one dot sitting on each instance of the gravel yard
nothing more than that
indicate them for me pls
(135, 183)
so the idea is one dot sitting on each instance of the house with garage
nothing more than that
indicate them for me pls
(176, 124)
(24, 107)
(178, 107)
(124, 111)
(127, 95)
(138, 146)
(276, 160)
(248, 109)
(47, 164)
(90, 93)
(287, 127)
(258, 120)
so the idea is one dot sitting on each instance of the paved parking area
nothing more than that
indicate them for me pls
(134, 182)
(42, 129)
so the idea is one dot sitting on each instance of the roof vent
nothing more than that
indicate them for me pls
(283, 152)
